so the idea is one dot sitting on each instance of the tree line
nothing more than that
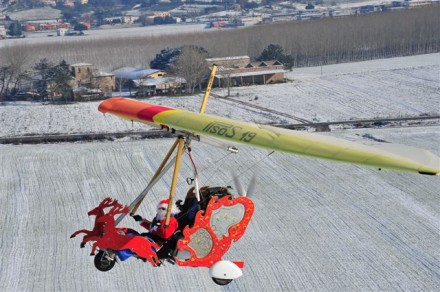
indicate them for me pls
(304, 43)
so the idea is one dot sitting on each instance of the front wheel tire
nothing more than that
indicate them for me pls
(103, 262)
(222, 282)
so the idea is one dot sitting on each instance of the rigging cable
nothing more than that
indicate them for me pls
(188, 151)
(217, 165)
(254, 164)
(196, 175)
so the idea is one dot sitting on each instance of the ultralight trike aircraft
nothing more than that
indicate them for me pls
(210, 218)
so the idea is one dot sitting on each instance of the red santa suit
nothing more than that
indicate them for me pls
(157, 227)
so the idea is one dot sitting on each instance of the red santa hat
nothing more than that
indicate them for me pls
(164, 204)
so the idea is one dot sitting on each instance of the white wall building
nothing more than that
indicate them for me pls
(2, 32)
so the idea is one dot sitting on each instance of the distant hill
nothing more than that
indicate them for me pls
(35, 14)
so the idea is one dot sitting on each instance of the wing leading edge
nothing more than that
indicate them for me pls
(396, 157)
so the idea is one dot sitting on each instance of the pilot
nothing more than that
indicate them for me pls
(157, 229)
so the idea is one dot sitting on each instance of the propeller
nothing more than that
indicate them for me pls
(251, 187)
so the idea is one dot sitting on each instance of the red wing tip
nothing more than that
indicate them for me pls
(108, 103)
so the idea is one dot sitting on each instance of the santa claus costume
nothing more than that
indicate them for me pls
(157, 229)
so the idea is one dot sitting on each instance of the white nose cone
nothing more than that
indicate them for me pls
(225, 270)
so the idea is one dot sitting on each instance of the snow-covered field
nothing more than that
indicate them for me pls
(318, 225)
(408, 86)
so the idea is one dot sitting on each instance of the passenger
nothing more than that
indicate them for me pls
(189, 207)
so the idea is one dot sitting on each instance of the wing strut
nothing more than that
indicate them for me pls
(139, 198)
(158, 172)
(208, 89)
(180, 143)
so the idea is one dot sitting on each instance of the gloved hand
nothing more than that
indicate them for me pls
(137, 218)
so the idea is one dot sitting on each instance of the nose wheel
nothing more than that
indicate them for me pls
(222, 282)
(104, 261)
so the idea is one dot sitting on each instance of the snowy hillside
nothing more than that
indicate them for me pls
(42, 37)
(318, 225)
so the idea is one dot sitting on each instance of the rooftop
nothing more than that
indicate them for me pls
(132, 73)
(81, 65)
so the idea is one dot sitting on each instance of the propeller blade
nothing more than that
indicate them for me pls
(252, 185)
(238, 186)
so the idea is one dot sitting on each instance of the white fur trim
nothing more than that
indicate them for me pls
(174, 209)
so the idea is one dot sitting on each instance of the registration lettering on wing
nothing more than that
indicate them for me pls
(229, 131)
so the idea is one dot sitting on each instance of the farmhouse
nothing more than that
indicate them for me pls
(87, 76)
(239, 71)
(147, 81)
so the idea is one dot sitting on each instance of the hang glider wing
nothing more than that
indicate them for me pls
(391, 157)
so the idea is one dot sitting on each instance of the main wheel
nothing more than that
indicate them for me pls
(103, 262)
(222, 282)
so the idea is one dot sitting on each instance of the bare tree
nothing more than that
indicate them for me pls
(13, 72)
(5, 76)
(120, 83)
(225, 70)
(191, 65)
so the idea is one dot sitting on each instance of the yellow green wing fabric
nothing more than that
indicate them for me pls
(277, 139)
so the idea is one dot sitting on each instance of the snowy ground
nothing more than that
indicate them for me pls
(318, 225)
